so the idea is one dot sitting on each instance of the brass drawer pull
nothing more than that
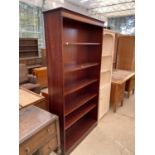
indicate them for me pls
(27, 150)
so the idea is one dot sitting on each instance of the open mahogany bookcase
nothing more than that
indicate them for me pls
(74, 49)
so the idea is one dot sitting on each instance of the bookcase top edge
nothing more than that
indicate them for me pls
(65, 10)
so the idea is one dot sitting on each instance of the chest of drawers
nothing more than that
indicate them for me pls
(38, 132)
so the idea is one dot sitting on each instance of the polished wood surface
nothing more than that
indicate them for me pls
(27, 97)
(73, 46)
(37, 128)
(77, 16)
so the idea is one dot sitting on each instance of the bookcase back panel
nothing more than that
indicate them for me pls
(75, 32)
(91, 102)
(76, 76)
(86, 90)
(81, 54)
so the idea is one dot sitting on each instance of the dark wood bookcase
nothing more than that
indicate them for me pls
(28, 47)
(74, 48)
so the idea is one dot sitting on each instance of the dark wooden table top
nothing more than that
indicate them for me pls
(120, 76)
(31, 120)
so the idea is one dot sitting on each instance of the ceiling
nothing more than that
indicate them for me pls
(107, 8)
(96, 8)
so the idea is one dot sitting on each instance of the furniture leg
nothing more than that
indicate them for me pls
(58, 151)
(121, 102)
(128, 94)
(133, 91)
(114, 107)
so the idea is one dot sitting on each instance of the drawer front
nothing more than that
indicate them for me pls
(38, 140)
(49, 147)
(43, 105)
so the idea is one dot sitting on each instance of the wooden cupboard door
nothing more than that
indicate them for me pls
(126, 53)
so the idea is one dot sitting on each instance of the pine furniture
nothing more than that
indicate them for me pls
(27, 98)
(108, 50)
(119, 78)
(38, 132)
(74, 46)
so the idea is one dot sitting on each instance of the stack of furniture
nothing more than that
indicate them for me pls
(126, 58)
(74, 47)
(26, 80)
(108, 49)
(27, 98)
(28, 53)
(38, 132)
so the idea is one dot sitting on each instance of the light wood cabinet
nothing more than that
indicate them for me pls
(108, 60)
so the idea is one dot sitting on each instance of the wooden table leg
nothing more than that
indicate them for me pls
(122, 102)
(128, 94)
(114, 107)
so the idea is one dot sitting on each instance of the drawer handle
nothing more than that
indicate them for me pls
(27, 150)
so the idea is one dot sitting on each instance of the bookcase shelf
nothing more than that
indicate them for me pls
(84, 43)
(79, 85)
(78, 102)
(76, 115)
(74, 49)
(78, 131)
(75, 67)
